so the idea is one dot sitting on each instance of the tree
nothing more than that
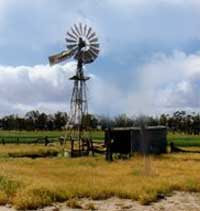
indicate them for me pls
(123, 120)
(60, 120)
(90, 120)
(31, 119)
(42, 122)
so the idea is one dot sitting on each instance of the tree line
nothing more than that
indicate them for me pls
(34, 120)
(179, 121)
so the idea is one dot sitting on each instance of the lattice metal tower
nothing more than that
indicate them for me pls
(82, 44)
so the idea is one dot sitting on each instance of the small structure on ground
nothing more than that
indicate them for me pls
(132, 139)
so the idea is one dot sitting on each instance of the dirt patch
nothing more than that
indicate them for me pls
(179, 201)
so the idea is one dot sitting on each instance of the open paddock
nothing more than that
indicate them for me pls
(32, 183)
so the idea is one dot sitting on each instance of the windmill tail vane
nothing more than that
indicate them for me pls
(60, 57)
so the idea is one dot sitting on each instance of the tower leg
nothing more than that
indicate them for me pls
(78, 111)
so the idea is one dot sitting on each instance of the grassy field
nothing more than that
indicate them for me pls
(184, 140)
(33, 136)
(32, 183)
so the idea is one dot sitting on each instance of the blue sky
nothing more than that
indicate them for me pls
(149, 61)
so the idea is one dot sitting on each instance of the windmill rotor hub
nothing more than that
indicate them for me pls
(82, 38)
(84, 44)
(81, 43)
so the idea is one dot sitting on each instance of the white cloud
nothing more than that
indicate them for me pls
(168, 83)
(105, 96)
(25, 88)
(39, 87)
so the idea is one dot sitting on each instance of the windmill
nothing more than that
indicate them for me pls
(83, 46)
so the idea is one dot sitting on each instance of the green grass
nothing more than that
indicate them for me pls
(33, 136)
(184, 140)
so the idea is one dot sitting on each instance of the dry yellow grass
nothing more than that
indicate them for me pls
(28, 183)
(23, 148)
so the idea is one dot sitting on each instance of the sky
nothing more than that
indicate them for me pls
(149, 61)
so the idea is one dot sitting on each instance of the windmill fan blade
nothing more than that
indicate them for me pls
(86, 56)
(92, 55)
(81, 29)
(70, 41)
(77, 30)
(94, 40)
(95, 53)
(72, 36)
(70, 46)
(88, 33)
(96, 45)
(92, 35)
(92, 47)
(74, 32)
(57, 58)
(85, 30)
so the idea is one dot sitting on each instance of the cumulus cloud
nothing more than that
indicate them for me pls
(25, 88)
(166, 83)
(39, 87)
